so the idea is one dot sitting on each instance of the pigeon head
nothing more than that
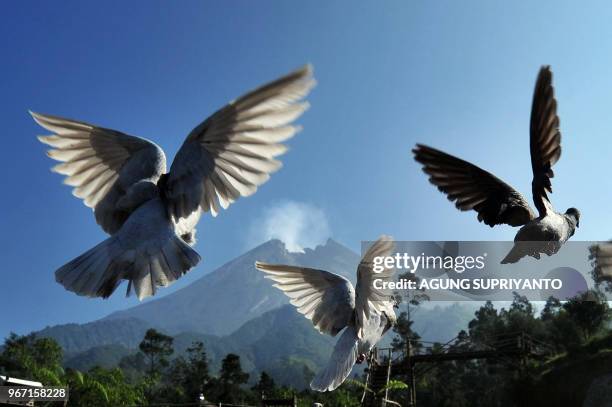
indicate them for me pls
(574, 214)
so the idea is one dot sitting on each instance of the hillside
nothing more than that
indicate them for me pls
(284, 343)
(221, 301)
(235, 310)
(106, 356)
(281, 342)
(76, 338)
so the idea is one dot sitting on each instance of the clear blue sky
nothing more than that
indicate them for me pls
(456, 75)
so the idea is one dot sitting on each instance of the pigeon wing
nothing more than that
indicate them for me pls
(472, 188)
(368, 299)
(327, 299)
(340, 363)
(101, 164)
(233, 151)
(544, 139)
(373, 332)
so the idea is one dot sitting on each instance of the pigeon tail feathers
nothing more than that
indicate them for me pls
(100, 270)
(340, 363)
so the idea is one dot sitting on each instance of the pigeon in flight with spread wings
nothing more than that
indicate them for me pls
(495, 201)
(151, 214)
(332, 304)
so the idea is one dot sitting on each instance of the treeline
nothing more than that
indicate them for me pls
(575, 330)
(151, 376)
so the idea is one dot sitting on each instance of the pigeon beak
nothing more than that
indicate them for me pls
(578, 224)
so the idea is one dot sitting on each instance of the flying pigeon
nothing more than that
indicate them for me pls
(332, 304)
(151, 214)
(495, 201)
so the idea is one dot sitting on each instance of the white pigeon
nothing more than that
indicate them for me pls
(151, 214)
(495, 201)
(332, 304)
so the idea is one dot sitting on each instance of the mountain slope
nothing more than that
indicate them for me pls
(106, 356)
(75, 338)
(221, 301)
(282, 332)
(234, 309)
(280, 341)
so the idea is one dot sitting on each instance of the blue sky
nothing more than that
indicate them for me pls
(455, 75)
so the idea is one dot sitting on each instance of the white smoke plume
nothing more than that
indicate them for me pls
(297, 224)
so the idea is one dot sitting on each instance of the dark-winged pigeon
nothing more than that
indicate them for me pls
(496, 202)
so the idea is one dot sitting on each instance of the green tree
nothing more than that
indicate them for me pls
(403, 325)
(570, 324)
(600, 256)
(227, 388)
(102, 387)
(486, 325)
(198, 368)
(231, 371)
(521, 317)
(404, 333)
(589, 311)
(32, 358)
(550, 310)
(156, 347)
(265, 386)
(188, 377)
(85, 390)
(133, 366)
